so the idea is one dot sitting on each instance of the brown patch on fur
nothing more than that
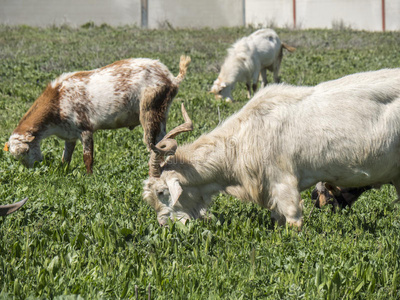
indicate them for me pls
(153, 109)
(164, 77)
(82, 76)
(82, 106)
(82, 110)
(123, 83)
(321, 200)
(87, 142)
(88, 160)
(45, 110)
(124, 72)
(118, 64)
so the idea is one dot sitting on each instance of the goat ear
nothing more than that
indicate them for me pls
(333, 189)
(214, 89)
(175, 189)
(30, 138)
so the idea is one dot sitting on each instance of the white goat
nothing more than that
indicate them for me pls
(345, 132)
(248, 57)
(124, 94)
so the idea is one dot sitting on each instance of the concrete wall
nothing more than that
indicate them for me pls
(196, 13)
(71, 12)
(392, 15)
(357, 14)
(272, 12)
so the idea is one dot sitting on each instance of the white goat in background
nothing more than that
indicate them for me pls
(345, 132)
(246, 59)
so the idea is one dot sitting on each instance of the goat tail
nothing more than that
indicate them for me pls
(288, 48)
(183, 65)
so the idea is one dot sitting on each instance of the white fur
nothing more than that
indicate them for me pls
(345, 132)
(246, 59)
(20, 145)
(107, 110)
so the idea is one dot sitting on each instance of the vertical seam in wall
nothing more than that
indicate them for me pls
(294, 13)
(244, 12)
(383, 16)
(144, 9)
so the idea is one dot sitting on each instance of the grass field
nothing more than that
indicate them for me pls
(93, 237)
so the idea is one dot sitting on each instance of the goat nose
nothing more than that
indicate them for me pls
(163, 222)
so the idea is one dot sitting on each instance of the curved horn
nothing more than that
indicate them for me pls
(10, 208)
(158, 152)
(167, 146)
(187, 126)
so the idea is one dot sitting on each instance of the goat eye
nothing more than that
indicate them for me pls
(160, 193)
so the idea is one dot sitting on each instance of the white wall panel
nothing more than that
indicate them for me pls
(392, 15)
(71, 12)
(357, 14)
(204, 13)
(272, 12)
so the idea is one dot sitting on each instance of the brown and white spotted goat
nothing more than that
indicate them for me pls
(126, 93)
(336, 196)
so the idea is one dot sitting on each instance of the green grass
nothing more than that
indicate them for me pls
(94, 237)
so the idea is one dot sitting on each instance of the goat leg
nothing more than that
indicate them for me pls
(264, 77)
(87, 142)
(254, 86)
(68, 150)
(248, 90)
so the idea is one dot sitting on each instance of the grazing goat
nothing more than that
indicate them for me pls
(248, 57)
(338, 197)
(264, 154)
(123, 94)
(10, 208)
